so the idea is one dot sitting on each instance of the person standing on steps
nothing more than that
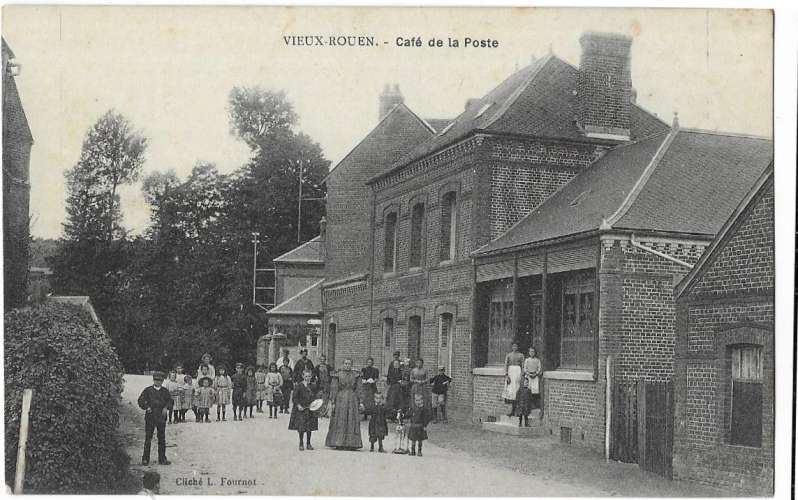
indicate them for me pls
(513, 365)
(156, 402)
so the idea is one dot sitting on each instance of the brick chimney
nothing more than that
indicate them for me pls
(390, 98)
(604, 86)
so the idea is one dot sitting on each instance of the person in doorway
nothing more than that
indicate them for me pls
(239, 391)
(288, 385)
(368, 380)
(273, 392)
(156, 402)
(302, 364)
(523, 399)
(407, 368)
(302, 419)
(224, 393)
(533, 371)
(513, 365)
(344, 432)
(440, 393)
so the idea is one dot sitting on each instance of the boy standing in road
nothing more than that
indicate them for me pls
(156, 402)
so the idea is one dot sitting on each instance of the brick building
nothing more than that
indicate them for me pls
(296, 316)
(17, 142)
(725, 363)
(553, 211)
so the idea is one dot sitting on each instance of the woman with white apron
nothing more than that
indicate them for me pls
(513, 364)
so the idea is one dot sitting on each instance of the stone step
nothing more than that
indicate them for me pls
(509, 425)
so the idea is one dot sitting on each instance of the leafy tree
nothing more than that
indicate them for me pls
(256, 114)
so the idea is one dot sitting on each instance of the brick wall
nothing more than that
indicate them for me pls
(523, 173)
(292, 279)
(604, 83)
(730, 302)
(16, 196)
(578, 405)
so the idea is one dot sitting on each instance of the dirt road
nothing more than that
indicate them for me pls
(262, 454)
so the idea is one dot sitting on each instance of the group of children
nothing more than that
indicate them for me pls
(246, 390)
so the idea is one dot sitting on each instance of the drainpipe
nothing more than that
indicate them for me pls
(665, 256)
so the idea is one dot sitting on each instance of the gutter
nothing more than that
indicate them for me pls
(665, 256)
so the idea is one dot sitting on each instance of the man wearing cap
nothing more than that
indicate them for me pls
(156, 402)
(302, 364)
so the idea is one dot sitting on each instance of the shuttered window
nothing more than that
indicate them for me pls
(416, 233)
(746, 408)
(390, 242)
(448, 226)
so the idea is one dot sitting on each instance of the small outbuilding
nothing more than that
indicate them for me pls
(724, 377)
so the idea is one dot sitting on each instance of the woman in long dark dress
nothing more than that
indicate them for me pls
(344, 417)
(302, 419)
(368, 378)
(393, 399)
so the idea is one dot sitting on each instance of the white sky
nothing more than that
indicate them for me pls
(170, 69)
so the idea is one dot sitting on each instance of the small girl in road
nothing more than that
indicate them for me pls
(224, 392)
(273, 382)
(174, 390)
(187, 400)
(420, 415)
(378, 426)
(260, 381)
(251, 391)
(205, 399)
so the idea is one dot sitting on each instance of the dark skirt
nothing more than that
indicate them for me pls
(394, 400)
(344, 422)
(378, 427)
(303, 420)
(416, 432)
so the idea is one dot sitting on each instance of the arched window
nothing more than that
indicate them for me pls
(448, 226)
(445, 323)
(390, 243)
(416, 234)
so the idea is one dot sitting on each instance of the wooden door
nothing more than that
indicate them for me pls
(624, 430)
(656, 442)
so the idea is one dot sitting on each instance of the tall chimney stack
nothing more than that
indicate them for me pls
(390, 98)
(604, 86)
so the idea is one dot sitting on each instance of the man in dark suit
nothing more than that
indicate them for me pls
(156, 401)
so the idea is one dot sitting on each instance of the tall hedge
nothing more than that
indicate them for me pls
(73, 441)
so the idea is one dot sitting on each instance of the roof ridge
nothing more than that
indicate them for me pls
(371, 132)
(641, 181)
(698, 269)
(296, 295)
(518, 91)
(726, 134)
(312, 240)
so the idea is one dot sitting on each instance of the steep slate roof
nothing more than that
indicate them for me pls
(309, 252)
(305, 303)
(537, 100)
(725, 234)
(397, 133)
(686, 181)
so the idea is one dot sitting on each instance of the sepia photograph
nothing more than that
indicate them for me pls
(391, 251)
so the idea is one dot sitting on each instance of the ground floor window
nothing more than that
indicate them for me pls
(578, 329)
(500, 323)
(746, 393)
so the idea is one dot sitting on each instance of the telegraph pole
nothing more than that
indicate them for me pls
(254, 264)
